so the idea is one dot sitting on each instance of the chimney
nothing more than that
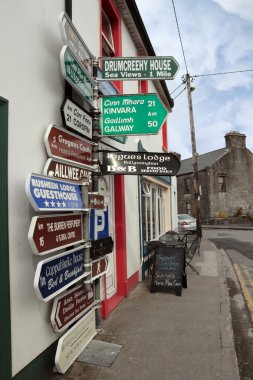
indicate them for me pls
(235, 140)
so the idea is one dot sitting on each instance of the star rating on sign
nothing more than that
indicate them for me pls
(52, 204)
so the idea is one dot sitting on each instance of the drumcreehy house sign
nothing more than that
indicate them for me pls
(139, 163)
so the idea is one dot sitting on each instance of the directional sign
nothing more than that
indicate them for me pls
(70, 306)
(139, 163)
(132, 114)
(74, 73)
(139, 68)
(99, 268)
(48, 194)
(58, 169)
(76, 118)
(71, 344)
(68, 146)
(96, 201)
(53, 232)
(101, 247)
(57, 273)
(72, 38)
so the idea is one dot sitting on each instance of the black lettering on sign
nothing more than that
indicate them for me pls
(169, 269)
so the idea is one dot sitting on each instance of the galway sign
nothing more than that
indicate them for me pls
(139, 68)
(139, 163)
(53, 232)
(70, 306)
(132, 114)
(55, 274)
(49, 194)
(75, 73)
(68, 146)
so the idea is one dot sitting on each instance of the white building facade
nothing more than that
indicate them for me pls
(138, 208)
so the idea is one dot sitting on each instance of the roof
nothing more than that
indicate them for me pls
(203, 161)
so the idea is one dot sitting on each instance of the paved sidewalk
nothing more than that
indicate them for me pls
(167, 337)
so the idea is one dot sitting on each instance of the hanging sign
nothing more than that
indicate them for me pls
(132, 114)
(76, 118)
(139, 163)
(72, 38)
(68, 146)
(73, 342)
(59, 169)
(70, 306)
(53, 232)
(48, 194)
(76, 75)
(96, 201)
(101, 247)
(139, 68)
(57, 273)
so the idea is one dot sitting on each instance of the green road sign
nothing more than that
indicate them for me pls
(74, 73)
(140, 114)
(139, 68)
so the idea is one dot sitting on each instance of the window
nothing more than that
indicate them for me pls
(187, 185)
(107, 37)
(111, 36)
(153, 210)
(188, 208)
(222, 183)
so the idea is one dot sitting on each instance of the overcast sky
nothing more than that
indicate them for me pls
(217, 36)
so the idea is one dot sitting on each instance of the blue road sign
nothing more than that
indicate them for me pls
(48, 194)
(99, 224)
(55, 274)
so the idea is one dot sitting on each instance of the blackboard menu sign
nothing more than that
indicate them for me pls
(168, 270)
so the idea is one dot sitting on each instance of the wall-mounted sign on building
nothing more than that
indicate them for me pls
(53, 232)
(98, 268)
(74, 73)
(49, 194)
(76, 118)
(70, 306)
(99, 224)
(71, 344)
(55, 274)
(139, 68)
(101, 247)
(96, 201)
(139, 163)
(68, 146)
(72, 38)
(132, 114)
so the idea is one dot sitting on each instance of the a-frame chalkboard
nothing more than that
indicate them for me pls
(169, 269)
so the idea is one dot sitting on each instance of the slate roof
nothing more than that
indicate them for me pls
(204, 160)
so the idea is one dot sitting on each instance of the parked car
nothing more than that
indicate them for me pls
(187, 222)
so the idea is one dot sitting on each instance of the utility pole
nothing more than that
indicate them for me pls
(187, 81)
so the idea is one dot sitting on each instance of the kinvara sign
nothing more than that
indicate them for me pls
(132, 114)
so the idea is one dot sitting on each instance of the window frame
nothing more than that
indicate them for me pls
(222, 185)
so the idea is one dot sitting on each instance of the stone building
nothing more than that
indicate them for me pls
(226, 182)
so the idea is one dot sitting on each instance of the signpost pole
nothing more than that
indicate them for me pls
(95, 175)
(194, 155)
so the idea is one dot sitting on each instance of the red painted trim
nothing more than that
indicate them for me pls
(165, 136)
(120, 249)
(132, 282)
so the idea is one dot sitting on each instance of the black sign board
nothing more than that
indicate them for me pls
(139, 163)
(168, 270)
(101, 247)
